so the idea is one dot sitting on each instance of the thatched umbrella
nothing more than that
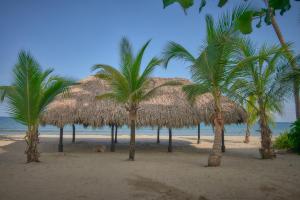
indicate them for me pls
(232, 112)
(168, 108)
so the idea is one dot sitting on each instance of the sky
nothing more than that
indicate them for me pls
(73, 35)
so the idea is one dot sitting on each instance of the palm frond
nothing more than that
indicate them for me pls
(109, 72)
(194, 90)
(127, 57)
(58, 85)
(104, 76)
(154, 62)
(107, 68)
(252, 110)
(176, 51)
(126, 52)
(4, 91)
(130, 83)
(210, 28)
(261, 77)
(32, 90)
(28, 84)
(109, 95)
(136, 66)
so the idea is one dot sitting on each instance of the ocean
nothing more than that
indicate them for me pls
(10, 126)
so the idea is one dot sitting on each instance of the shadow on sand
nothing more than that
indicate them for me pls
(182, 145)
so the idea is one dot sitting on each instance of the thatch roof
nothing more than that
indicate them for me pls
(168, 108)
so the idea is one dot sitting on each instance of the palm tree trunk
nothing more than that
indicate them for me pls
(215, 156)
(266, 149)
(223, 142)
(61, 136)
(158, 133)
(112, 145)
(73, 136)
(170, 147)
(132, 117)
(290, 57)
(32, 140)
(198, 140)
(116, 134)
(247, 136)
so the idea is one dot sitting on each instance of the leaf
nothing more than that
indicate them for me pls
(185, 4)
(194, 90)
(282, 5)
(174, 50)
(268, 17)
(4, 90)
(260, 15)
(222, 3)
(202, 5)
(244, 23)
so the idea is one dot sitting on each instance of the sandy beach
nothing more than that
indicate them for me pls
(82, 173)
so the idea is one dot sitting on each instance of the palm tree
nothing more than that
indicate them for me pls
(262, 81)
(252, 117)
(290, 74)
(128, 85)
(289, 55)
(269, 11)
(212, 70)
(28, 96)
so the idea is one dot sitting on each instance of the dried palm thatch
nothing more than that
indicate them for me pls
(232, 112)
(167, 108)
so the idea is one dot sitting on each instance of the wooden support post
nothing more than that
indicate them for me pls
(60, 145)
(158, 132)
(198, 141)
(112, 146)
(223, 142)
(73, 136)
(170, 148)
(116, 134)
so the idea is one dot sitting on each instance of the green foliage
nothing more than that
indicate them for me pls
(291, 74)
(283, 141)
(294, 136)
(291, 139)
(202, 5)
(245, 22)
(251, 111)
(185, 4)
(261, 78)
(282, 5)
(251, 107)
(32, 90)
(129, 84)
(222, 3)
(211, 70)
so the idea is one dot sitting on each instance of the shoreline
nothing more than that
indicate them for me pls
(138, 136)
(107, 133)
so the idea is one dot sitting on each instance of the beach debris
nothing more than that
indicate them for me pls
(100, 148)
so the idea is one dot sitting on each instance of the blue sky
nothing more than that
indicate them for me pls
(72, 35)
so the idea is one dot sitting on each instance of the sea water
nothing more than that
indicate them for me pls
(10, 126)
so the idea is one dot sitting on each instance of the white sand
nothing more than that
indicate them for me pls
(81, 173)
